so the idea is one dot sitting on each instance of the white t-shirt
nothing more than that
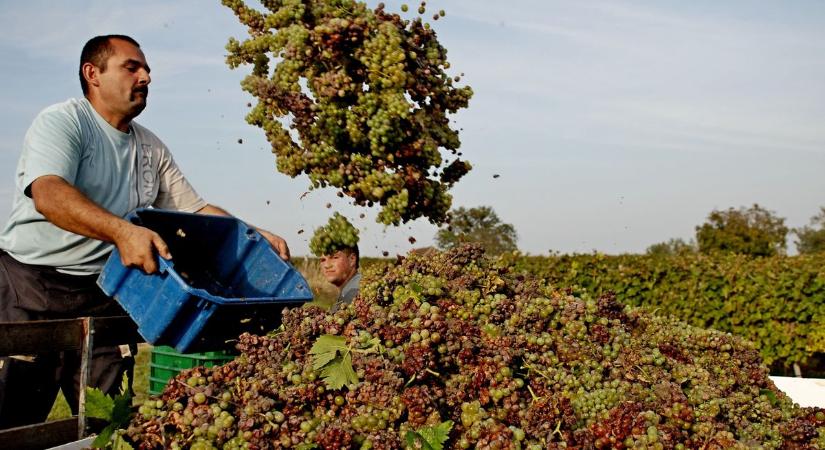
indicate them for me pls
(116, 170)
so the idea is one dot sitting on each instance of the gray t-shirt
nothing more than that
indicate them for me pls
(348, 292)
(116, 170)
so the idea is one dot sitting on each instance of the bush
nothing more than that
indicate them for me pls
(776, 302)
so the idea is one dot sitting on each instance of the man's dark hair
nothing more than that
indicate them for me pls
(354, 250)
(97, 51)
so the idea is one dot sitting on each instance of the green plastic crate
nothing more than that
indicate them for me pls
(166, 363)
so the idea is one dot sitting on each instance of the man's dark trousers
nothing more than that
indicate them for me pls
(29, 383)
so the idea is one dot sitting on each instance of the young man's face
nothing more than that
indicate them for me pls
(339, 267)
(124, 86)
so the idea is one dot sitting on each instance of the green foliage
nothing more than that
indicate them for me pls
(98, 404)
(753, 231)
(117, 411)
(480, 225)
(332, 357)
(778, 303)
(337, 234)
(670, 248)
(430, 438)
(811, 239)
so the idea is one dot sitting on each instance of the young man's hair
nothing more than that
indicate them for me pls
(354, 251)
(97, 51)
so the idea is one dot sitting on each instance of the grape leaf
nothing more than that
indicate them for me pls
(430, 438)
(332, 357)
(122, 411)
(116, 410)
(339, 372)
(98, 404)
(326, 348)
(770, 395)
(104, 437)
(120, 444)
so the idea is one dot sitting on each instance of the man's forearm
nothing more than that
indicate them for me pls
(213, 210)
(65, 206)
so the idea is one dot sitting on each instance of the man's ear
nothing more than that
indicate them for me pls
(91, 73)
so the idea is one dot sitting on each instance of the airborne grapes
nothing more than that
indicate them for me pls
(357, 99)
(337, 234)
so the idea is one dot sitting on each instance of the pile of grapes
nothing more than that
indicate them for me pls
(457, 351)
(337, 234)
(358, 100)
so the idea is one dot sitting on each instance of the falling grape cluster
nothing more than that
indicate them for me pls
(337, 234)
(462, 352)
(357, 99)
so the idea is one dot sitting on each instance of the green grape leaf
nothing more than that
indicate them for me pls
(122, 411)
(326, 348)
(339, 372)
(98, 404)
(116, 410)
(120, 444)
(124, 384)
(430, 438)
(104, 437)
(770, 395)
(414, 438)
(332, 357)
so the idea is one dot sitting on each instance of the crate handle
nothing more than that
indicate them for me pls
(164, 264)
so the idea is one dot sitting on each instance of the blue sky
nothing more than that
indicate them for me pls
(613, 125)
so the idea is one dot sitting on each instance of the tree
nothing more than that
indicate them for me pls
(672, 247)
(809, 238)
(753, 231)
(479, 225)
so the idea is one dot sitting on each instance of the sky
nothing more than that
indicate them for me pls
(612, 125)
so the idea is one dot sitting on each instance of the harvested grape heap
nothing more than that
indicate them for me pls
(455, 351)
(337, 234)
(358, 100)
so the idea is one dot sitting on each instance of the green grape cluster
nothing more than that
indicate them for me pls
(337, 234)
(507, 362)
(357, 99)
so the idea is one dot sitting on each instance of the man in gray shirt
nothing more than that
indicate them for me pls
(85, 164)
(341, 269)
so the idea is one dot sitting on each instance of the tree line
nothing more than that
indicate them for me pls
(753, 231)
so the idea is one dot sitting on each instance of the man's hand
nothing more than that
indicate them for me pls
(277, 242)
(137, 247)
(65, 206)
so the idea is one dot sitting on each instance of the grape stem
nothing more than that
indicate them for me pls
(345, 10)
(543, 374)
(533, 394)
(644, 372)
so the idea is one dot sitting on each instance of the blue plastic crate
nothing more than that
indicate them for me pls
(223, 279)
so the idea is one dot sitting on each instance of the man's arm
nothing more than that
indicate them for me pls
(277, 242)
(65, 206)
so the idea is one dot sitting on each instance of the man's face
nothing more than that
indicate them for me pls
(339, 267)
(124, 86)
